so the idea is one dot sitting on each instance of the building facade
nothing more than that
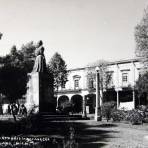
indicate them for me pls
(80, 88)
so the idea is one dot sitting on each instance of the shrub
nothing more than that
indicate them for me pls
(143, 110)
(30, 122)
(107, 109)
(134, 117)
(118, 115)
(66, 108)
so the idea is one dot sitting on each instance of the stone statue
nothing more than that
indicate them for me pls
(40, 62)
(40, 92)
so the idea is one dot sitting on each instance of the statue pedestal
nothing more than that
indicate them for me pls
(40, 93)
(32, 98)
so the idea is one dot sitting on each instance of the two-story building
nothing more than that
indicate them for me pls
(120, 88)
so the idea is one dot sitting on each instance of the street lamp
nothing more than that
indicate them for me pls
(97, 109)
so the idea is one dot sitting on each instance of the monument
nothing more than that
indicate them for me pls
(40, 85)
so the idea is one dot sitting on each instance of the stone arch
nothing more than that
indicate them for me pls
(62, 100)
(77, 101)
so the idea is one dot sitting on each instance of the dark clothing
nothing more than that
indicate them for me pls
(14, 109)
(23, 110)
(9, 109)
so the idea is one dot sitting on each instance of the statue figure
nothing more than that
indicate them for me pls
(40, 86)
(40, 62)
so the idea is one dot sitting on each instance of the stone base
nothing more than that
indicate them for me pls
(32, 97)
(47, 107)
(40, 93)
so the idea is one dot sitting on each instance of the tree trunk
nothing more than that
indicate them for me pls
(1, 109)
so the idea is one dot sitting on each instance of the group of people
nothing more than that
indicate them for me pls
(17, 109)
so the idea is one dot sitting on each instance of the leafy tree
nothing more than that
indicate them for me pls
(141, 38)
(12, 82)
(23, 58)
(15, 58)
(28, 52)
(13, 72)
(59, 69)
(142, 85)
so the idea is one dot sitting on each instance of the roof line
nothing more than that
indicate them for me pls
(109, 63)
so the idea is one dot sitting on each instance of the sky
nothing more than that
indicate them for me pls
(82, 31)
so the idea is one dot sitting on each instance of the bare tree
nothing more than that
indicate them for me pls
(141, 38)
(105, 76)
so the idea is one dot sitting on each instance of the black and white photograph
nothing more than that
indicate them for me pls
(73, 74)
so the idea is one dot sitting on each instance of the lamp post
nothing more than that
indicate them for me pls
(84, 94)
(97, 109)
(1, 110)
(1, 35)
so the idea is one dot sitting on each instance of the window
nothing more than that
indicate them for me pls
(76, 79)
(91, 80)
(124, 77)
(109, 79)
(91, 83)
(76, 83)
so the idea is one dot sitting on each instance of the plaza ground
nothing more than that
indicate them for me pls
(115, 135)
(92, 134)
